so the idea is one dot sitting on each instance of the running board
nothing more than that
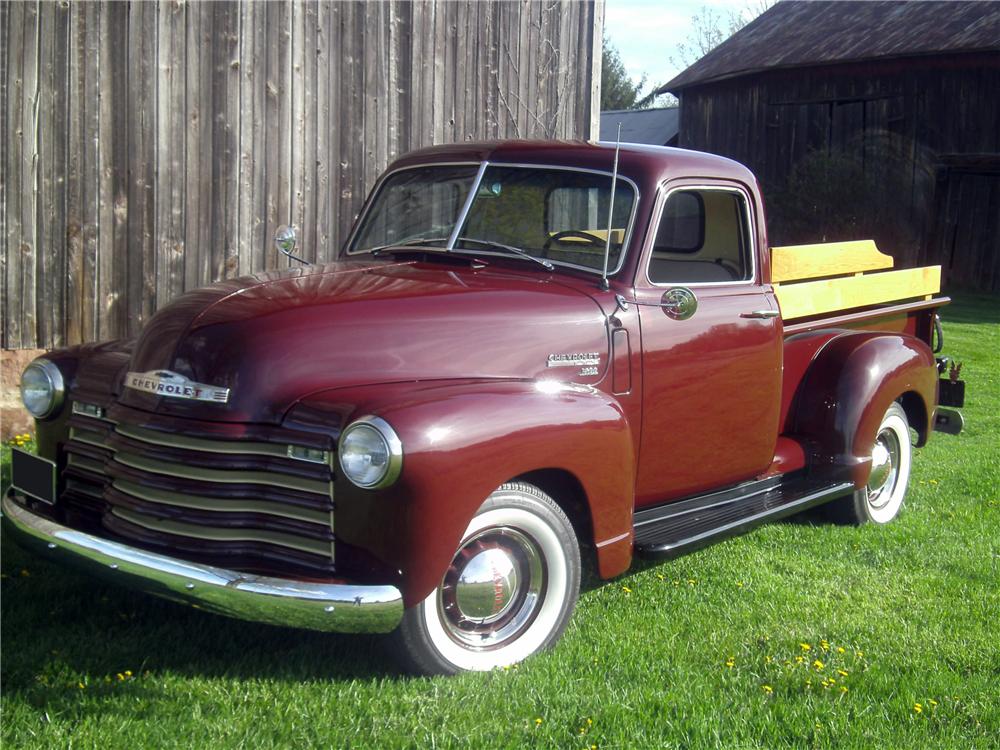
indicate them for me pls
(682, 526)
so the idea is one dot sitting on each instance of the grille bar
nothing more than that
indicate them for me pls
(210, 496)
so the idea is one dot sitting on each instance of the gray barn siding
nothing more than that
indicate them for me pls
(148, 148)
(919, 114)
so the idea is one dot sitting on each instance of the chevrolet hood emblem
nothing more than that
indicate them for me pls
(167, 383)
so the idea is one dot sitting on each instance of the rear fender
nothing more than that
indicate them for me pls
(846, 391)
(460, 443)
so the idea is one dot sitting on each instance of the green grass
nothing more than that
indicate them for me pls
(915, 606)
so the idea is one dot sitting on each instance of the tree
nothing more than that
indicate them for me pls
(617, 89)
(710, 28)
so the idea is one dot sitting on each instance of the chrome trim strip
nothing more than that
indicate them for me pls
(464, 213)
(654, 227)
(221, 504)
(171, 440)
(313, 546)
(332, 607)
(225, 476)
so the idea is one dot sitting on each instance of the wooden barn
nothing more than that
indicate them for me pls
(864, 119)
(152, 147)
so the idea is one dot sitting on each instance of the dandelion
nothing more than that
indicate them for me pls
(626, 589)
(81, 686)
(818, 665)
(799, 659)
(843, 688)
(932, 702)
(730, 662)
(128, 672)
(740, 584)
(805, 647)
(767, 689)
(691, 582)
(121, 677)
(661, 577)
(842, 672)
(917, 708)
(840, 649)
(538, 722)
(768, 659)
(825, 645)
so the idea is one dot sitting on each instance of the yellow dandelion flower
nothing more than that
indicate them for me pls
(843, 688)
(590, 722)
(730, 662)
(538, 721)
(661, 577)
(740, 584)
(626, 589)
(917, 708)
(799, 659)
(767, 689)
(825, 645)
(128, 672)
(819, 665)
(840, 649)
(842, 672)
(691, 582)
(121, 677)
(81, 686)
(805, 647)
(768, 659)
(932, 702)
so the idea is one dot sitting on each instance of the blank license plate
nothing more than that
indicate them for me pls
(34, 476)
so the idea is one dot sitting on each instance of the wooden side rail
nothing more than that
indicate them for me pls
(839, 281)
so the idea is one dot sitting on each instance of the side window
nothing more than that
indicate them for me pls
(703, 237)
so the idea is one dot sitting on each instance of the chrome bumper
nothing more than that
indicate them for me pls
(334, 607)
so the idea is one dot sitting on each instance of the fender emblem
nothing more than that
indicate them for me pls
(576, 359)
(167, 383)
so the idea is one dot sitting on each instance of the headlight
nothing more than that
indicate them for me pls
(42, 388)
(370, 453)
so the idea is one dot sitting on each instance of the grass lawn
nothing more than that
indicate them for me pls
(733, 646)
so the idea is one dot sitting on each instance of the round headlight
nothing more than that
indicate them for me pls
(42, 388)
(370, 453)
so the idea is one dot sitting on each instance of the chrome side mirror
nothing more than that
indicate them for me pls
(679, 303)
(284, 241)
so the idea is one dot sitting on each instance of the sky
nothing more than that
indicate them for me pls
(647, 32)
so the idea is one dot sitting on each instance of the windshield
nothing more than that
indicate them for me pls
(559, 215)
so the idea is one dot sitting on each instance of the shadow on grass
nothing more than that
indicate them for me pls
(970, 308)
(61, 629)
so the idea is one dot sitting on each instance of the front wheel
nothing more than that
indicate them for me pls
(508, 593)
(881, 499)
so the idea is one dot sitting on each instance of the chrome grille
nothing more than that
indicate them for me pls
(215, 498)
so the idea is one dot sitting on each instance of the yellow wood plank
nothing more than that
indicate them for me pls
(796, 262)
(831, 295)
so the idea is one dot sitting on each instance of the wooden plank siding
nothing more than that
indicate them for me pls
(907, 124)
(150, 148)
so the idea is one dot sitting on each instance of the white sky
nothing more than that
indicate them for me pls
(646, 32)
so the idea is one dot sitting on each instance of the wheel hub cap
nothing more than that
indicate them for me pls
(885, 464)
(486, 586)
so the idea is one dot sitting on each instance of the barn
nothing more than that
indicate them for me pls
(864, 119)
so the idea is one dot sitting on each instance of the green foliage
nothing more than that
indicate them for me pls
(617, 89)
(699, 652)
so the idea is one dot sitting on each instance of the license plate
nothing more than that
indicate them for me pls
(951, 393)
(33, 476)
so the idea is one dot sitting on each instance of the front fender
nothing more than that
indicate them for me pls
(460, 443)
(846, 391)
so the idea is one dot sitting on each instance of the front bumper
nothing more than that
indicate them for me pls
(332, 607)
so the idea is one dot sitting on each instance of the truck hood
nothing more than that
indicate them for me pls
(274, 339)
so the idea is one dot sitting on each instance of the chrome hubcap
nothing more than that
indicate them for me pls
(486, 586)
(493, 588)
(885, 468)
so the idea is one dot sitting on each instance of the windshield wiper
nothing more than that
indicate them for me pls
(508, 248)
(418, 243)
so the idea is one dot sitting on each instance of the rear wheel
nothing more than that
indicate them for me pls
(881, 499)
(508, 593)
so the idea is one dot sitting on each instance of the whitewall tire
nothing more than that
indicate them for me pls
(508, 593)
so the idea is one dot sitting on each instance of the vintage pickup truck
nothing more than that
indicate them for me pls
(529, 358)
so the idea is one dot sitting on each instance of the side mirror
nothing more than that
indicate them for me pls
(284, 241)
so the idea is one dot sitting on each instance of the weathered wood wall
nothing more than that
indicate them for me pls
(915, 126)
(153, 147)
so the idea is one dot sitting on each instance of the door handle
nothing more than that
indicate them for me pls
(761, 314)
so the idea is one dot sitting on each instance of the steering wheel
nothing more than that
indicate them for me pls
(559, 236)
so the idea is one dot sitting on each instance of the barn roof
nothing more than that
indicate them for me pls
(656, 126)
(795, 33)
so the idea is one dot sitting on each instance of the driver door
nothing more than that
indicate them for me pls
(712, 345)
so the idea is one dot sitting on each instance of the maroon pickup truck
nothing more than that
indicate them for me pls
(528, 358)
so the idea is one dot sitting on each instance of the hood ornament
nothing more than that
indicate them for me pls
(167, 383)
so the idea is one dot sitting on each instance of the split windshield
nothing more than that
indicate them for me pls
(557, 215)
